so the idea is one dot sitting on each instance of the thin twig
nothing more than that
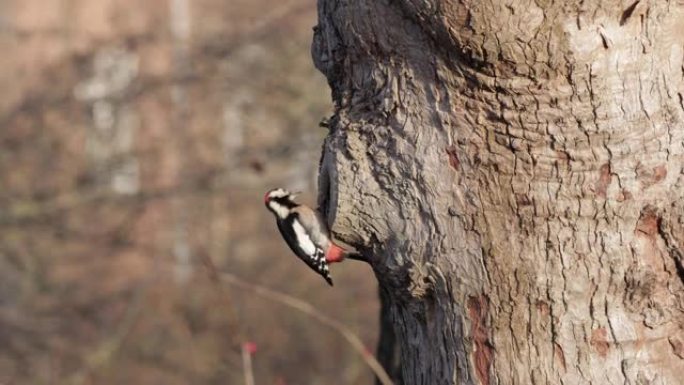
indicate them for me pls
(247, 365)
(308, 309)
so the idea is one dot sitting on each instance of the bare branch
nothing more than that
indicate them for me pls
(310, 310)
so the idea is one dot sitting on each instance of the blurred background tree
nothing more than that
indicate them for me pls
(136, 140)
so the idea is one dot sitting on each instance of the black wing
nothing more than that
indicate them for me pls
(316, 261)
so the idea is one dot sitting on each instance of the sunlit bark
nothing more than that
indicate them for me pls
(516, 173)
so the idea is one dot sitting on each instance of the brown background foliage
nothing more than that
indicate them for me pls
(136, 141)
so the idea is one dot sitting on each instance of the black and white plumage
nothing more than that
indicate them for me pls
(304, 231)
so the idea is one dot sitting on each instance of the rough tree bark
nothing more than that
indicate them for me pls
(515, 171)
(388, 352)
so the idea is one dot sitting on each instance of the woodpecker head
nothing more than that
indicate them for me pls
(280, 201)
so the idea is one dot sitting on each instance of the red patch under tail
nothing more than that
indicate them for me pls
(334, 254)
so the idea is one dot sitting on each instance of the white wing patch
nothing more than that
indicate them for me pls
(305, 241)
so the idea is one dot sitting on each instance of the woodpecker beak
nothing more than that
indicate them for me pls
(295, 194)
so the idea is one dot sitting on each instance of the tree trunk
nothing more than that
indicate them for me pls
(515, 173)
(388, 352)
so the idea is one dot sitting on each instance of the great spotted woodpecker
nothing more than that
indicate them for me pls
(305, 232)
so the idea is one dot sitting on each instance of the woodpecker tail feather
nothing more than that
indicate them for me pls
(356, 256)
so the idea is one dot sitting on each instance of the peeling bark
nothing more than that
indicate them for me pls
(515, 172)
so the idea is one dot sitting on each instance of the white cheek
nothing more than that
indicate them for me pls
(280, 210)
